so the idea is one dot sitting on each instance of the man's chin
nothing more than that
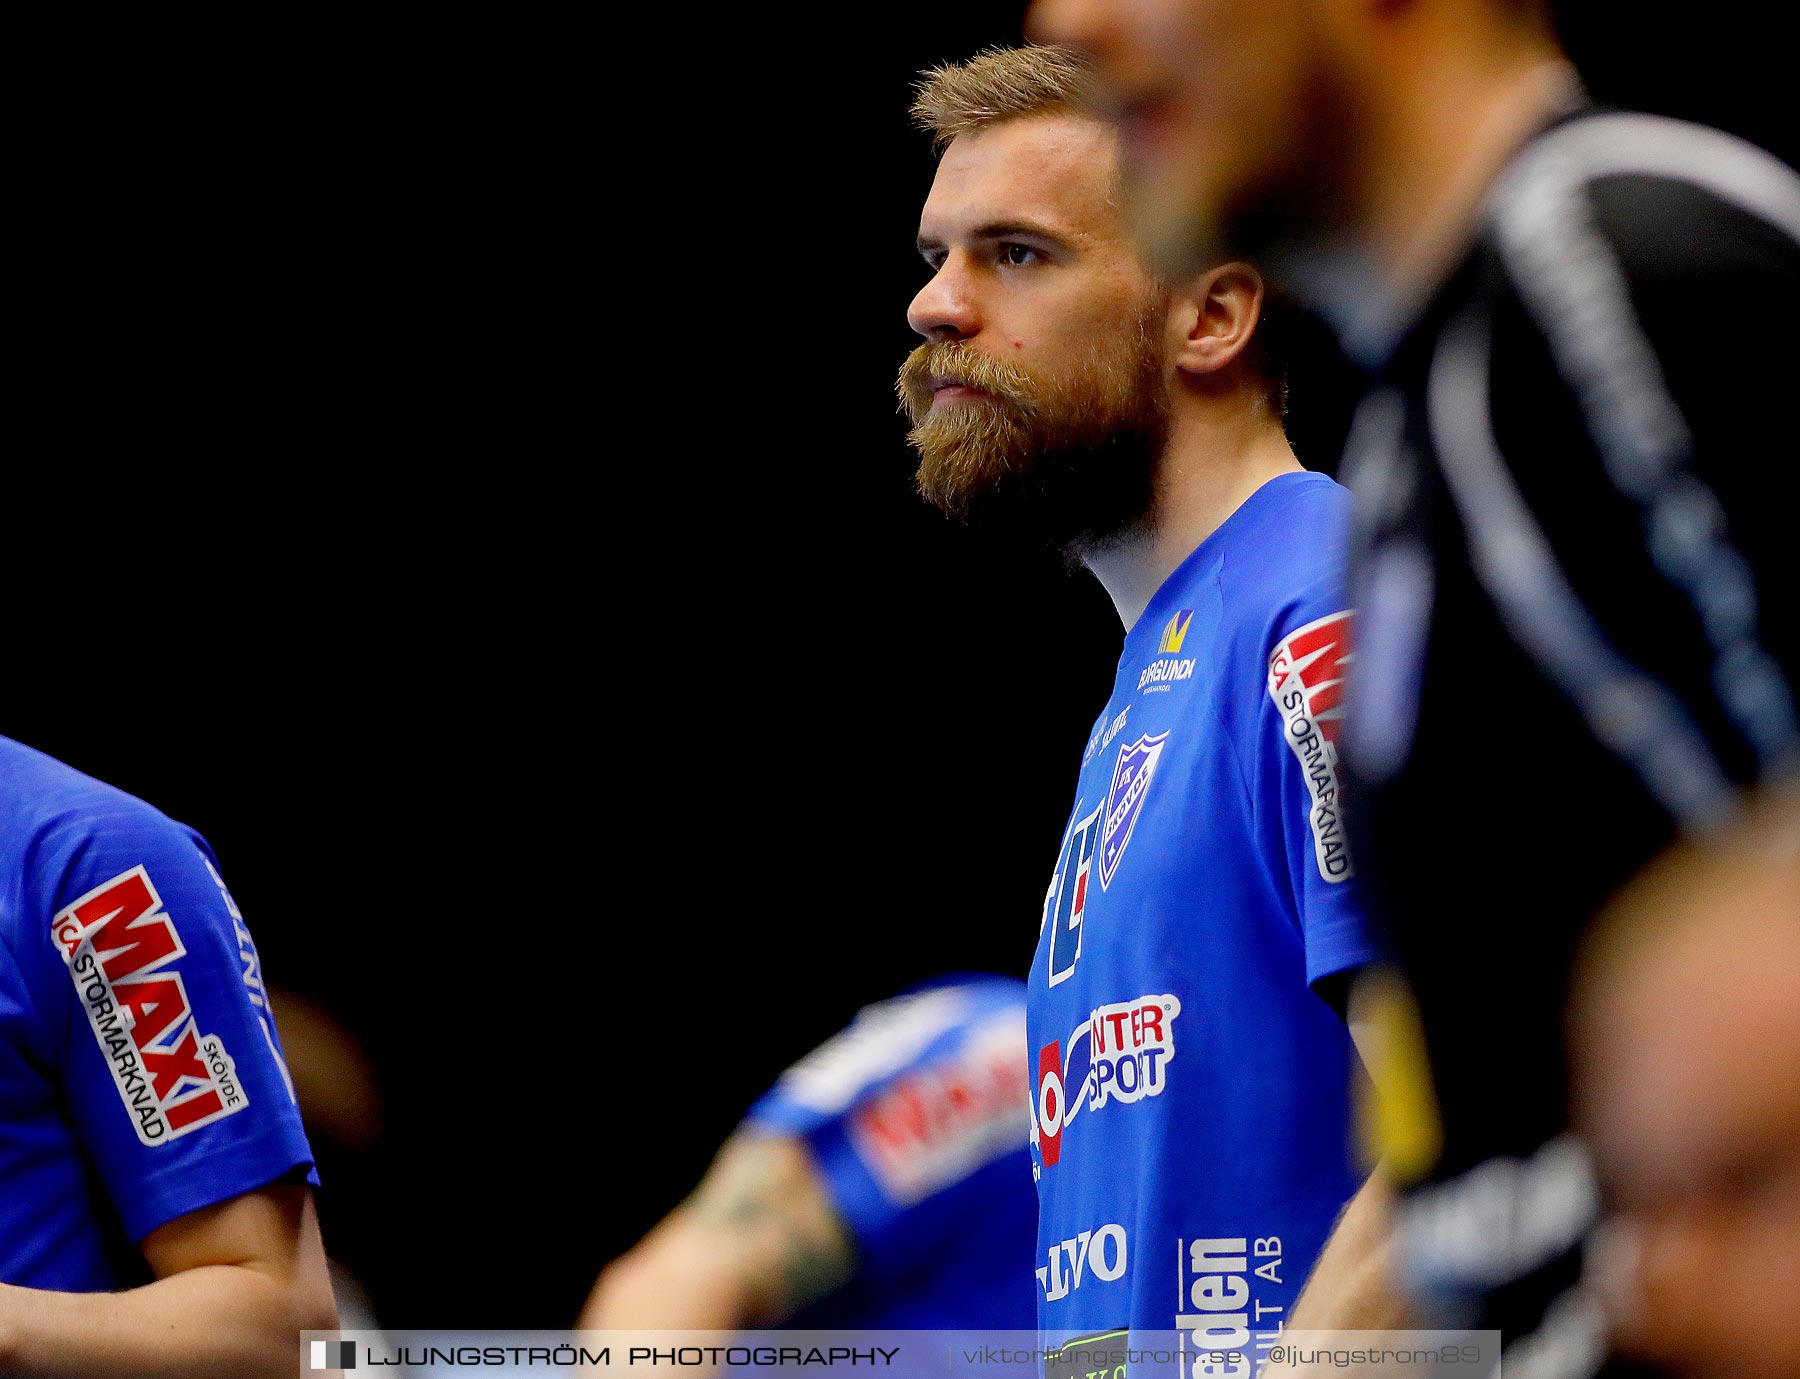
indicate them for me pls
(1035, 507)
(976, 499)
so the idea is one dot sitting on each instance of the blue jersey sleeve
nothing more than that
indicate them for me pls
(1298, 782)
(917, 1119)
(152, 997)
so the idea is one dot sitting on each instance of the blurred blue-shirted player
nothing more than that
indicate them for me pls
(883, 1181)
(1192, 1068)
(148, 1129)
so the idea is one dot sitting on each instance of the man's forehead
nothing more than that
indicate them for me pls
(1056, 170)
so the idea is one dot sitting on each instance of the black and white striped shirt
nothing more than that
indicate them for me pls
(1579, 632)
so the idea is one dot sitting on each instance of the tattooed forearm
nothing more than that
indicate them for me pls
(764, 1205)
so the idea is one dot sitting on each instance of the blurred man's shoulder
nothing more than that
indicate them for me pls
(1664, 198)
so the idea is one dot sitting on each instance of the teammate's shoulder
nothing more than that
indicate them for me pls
(46, 804)
(945, 1019)
(35, 786)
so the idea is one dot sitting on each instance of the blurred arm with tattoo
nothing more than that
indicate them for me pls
(757, 1241)
(883, 1181)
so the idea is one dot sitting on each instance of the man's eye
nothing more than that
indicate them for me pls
(1018, 254)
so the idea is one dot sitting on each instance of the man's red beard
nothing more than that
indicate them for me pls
(1063, 459)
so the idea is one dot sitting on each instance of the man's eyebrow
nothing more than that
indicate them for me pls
(1014, 229)
(999, 229)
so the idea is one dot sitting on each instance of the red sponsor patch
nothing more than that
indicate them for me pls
(1307, 675)
(938, 1124)
(121, 948)
(1051, 1103)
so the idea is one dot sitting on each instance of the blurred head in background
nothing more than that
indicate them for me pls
(1276, 129)
(1686, 1040)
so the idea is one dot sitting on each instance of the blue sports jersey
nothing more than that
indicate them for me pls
(1191, 1131)
(915, 1116)
(140, 1073)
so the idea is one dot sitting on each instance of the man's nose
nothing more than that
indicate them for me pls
(945, 307)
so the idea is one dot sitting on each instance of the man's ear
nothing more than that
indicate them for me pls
(1219, 310)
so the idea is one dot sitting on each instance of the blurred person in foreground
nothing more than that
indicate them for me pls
(1191, 1065)
(156, 1211)
(1686, 1054)
(1579, 632)
(882, 1182)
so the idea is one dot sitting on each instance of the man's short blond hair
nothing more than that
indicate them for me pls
(1002, 84)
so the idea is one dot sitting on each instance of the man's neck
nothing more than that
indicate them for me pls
(1209, 467)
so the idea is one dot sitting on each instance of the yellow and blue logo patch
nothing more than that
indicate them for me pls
(1175, 632)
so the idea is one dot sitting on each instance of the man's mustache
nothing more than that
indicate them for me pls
(937, 363)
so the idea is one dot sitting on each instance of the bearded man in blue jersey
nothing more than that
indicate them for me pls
(1190, 1059)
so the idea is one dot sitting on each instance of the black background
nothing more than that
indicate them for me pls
(457, 471)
